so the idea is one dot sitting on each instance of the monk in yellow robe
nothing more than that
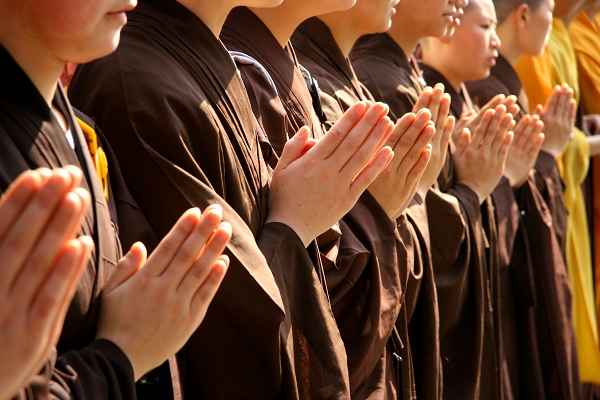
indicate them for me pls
(557, 66)
(585, 36)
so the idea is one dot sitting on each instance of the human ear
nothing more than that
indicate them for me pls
(522, 15)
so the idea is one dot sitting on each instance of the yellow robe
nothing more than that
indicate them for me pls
(585, 36)
(558, 65)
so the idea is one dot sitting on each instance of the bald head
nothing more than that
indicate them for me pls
(505, 7)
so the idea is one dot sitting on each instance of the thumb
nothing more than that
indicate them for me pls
(127, 267)
(294, 148)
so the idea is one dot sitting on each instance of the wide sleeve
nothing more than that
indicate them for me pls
(98, 371)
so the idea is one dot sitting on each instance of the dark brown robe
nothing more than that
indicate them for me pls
(421, 364)
(365, 266)
(463, 240)
(536, 300)
(176, 114)
(503, 79)
(31, 137)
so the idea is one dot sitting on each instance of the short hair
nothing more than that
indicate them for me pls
(505, 7)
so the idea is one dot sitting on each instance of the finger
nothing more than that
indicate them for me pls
(506, 124)
(169, 247)
(409, 134)
(493, 103)
(199, 271)
(193, 246)
(537, 146)
(341, 129)
(132, 262)
(60, 228)
(418, 168)
(436, 100)
(572, 111)
(87, 245)
(414, 154)
(443, 111)
(494, 128)
(208, 289)
(294, 148)
(446, 133)
(464, 140)
(360, 145)
(53, 295)
(402, 125)
(553, 101)
(371, 171)
(16, 198)
(18, 243)
(482, 128)
(423, 100)
(503, 152)
(539, 111)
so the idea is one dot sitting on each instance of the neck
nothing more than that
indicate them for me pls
(42, 68)
(510, 47)
(567, 10)
(282, 20)
(343, 33)
(213, 13)
(405, 38)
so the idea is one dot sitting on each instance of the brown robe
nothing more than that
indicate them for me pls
(176, 113)
(463, 240)
(503, 79)
(536, 311)
(421, 364)
(31, 137)
(365, 266)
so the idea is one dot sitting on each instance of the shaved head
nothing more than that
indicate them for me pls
(505, 7)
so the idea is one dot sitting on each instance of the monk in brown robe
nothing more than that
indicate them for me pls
(535, 319)
(360, 265)
(469, 329)
(322, 45)
(104, 344)
(524, 328)
(189, 125)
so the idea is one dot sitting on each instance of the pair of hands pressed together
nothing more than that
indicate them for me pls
(317, 182)
(156, 307)
(41, 265)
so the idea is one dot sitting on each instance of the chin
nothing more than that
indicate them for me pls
(96, 51)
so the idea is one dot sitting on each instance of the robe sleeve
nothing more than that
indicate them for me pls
(98, 371)
(363, 256)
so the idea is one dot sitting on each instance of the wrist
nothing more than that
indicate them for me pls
(305, 237)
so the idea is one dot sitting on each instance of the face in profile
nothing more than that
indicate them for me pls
(427, 17)
(71, 30)
(373, 16)
(536, 30)
(473, 49)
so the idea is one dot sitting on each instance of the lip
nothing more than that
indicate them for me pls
(127, 8)
(492, 61)
(449, 18)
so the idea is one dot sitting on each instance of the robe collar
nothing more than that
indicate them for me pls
(460, 100)
(241, 32)
(316, 37)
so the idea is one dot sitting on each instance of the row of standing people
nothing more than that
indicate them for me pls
(353, 274)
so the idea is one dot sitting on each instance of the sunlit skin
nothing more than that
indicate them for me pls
(364, 18)
(471, 51)
(416, 19)
(283, 20)
(525, 31)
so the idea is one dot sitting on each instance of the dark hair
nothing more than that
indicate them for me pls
(505, 7)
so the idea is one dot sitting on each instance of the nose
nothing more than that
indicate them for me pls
(495, 42)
